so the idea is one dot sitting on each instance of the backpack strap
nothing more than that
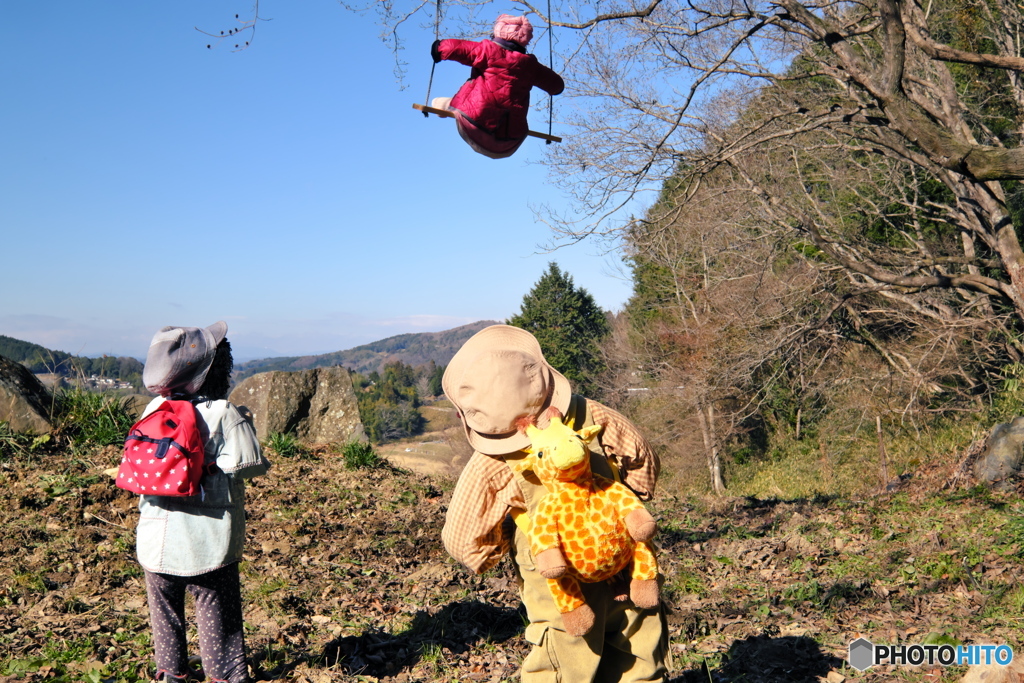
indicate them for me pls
(529, 484)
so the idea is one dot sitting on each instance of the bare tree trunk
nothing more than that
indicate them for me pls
(881, 452)
(706, 413)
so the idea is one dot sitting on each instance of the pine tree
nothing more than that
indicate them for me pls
(434, 387)
(568, 324)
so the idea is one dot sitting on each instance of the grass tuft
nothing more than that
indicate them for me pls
(86, 420)
(286, 446)
(361, 456)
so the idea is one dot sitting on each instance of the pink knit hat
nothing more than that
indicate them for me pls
(516, 29)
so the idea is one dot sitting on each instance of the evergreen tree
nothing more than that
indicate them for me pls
(388, 403)
(568, 324)
(434, 387)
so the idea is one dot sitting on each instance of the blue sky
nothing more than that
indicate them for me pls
(289, 189)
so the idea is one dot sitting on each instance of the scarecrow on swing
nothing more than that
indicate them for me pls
(490, 108)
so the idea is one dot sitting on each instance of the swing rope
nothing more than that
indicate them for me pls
(551, 63)
(427, 110)
(437, 36)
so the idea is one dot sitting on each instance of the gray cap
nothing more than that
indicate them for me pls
(180, 357)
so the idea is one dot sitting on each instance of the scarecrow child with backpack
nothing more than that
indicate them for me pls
(491, 107)
(498, 380)
(194, 542)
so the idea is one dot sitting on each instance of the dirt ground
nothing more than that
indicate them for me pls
(345, 579)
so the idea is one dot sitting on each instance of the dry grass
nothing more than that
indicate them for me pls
(345, 579)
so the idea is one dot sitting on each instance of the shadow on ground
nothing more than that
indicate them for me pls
(749, 518)
(454, 627)
(760, 659)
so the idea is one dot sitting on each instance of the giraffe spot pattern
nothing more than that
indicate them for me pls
(583, 515)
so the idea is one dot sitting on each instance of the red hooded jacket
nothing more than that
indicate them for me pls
(496, 98)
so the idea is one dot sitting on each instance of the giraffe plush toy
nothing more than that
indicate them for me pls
(586, 527)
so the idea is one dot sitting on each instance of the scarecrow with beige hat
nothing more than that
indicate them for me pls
(498, 377)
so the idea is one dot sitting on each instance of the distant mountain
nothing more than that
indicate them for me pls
(40, 360)
(412, 349)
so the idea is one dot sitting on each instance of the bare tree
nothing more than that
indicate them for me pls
(718, 301)
(837, 185)
(243, 25)
(892, 93)
(935, 88)
(746, 323)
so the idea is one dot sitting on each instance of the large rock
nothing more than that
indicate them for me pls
(1003, 454)
(318, 405)
(24, 402)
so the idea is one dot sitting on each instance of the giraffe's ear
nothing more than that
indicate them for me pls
(588, 433)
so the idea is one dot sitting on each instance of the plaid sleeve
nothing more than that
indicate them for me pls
(473, 527)
(636, 459)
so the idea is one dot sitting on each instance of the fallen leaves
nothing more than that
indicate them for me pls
(345, 579)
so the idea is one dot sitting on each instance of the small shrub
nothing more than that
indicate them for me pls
(1015, 600)
(360, 456)
(81, 419)
(285, 445)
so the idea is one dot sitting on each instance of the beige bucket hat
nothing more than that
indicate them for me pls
(498, 376)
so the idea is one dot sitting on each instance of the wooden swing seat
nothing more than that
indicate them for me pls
(447, 114)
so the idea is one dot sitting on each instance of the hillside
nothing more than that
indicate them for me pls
(39, 359)
(412, 349)
(345, 579)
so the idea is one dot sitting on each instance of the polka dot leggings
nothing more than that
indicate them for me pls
(218, 603)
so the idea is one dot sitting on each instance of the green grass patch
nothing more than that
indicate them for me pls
(69, 661)
(685, 582)
(804, 591)
(286, 445)
(82, 421)
(86, 419)
(846, 464)
(16, 445)
(361, 456)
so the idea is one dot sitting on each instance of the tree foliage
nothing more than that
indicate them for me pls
(568, 324)
(810, 262)
(434, 373)
(388, 402)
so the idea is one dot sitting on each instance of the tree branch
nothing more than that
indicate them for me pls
(611, 16)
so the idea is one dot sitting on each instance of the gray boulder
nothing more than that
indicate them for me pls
(25, 403)
(1003, 454)
(317, 406)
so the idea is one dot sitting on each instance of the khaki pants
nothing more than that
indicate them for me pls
(626, 645)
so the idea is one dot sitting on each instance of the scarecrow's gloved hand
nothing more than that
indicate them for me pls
(435, 51)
